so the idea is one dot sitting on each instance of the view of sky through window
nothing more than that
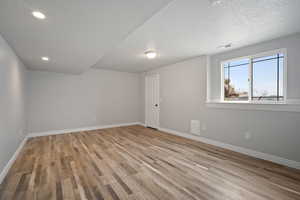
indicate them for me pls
(236, 80)
(267, 78)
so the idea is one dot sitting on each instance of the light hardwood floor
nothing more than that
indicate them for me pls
(139, 163)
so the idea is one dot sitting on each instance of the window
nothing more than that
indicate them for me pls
(258, 78)
(236, 80)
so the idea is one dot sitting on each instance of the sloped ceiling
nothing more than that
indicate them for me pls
(78, 35)
(75, 34)
(189, 28)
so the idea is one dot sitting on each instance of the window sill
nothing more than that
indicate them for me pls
(289, 106)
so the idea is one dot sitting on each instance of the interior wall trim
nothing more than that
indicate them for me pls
(54, 132)
(292, 105)
(57, 132)
(249, 152)
(256, 154)
(10, 163)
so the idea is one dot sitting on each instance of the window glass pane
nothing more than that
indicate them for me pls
(225, 72)
(264, 58)
(281, 65)
(225, 78)
(236, 80)
(239, 62)
(266, 85)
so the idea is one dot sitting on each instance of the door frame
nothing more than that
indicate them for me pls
(146, 98)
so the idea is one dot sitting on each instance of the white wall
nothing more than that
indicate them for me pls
(12, 101)
(183, 93)
(97, 97)
(100, 97)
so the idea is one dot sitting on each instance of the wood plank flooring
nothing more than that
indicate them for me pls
(137, 163)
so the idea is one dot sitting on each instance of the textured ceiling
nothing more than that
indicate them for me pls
(189, 28)
(115, 34)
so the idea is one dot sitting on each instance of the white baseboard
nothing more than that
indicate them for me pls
(12, 160)
(142, 124)
(57, 132)
(264, 156)
(256, 154)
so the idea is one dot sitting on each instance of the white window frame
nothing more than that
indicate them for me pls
(250, 67)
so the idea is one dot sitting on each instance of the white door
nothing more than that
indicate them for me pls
(152, 101)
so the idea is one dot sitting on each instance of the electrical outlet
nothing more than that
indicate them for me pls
(204, 127)
(248, 135)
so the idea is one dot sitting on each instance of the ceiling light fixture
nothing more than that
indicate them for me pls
(45, 59)
(225, 46)
(38, 15)
(216, 2)
(151, 54)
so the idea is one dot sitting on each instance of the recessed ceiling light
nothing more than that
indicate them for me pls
(45, 58)
(38, 15)
(151, 54)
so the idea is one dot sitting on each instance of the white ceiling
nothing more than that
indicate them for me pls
(115, 34)
(189, 28)
(75, 34)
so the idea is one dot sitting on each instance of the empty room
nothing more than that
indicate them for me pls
(149, 100)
